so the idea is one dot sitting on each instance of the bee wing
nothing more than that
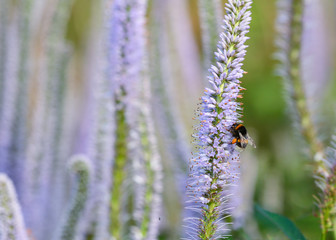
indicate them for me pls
(247, 140)
(250, 141)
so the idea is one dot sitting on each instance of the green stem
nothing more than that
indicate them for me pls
(308, 129)
(334, 228)
(82, 169)
(149, 152)
(323, 228)
(119, 173)
(149, 178)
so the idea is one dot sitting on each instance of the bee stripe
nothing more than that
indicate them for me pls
(239, 126)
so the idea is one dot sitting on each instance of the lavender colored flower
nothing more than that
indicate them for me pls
(103, 129)
(169, 125)
(3, 30)
(127, 46)
(130, 171)
(210, 14)
(151, 207)
(48, 138)
(213, 168)
(316, 44)
(12, 226)
(10, 83)
(289, 42)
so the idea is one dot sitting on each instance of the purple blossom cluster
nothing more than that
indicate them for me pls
(138, 202)
(127, 46)
(214, 168)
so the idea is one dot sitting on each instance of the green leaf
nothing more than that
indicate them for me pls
(278, 221)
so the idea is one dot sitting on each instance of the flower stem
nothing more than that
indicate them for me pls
(308, 128)
(82, 168)
(119, 173)
(210, 214)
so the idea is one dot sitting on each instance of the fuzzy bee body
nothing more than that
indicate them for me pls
(240, 136)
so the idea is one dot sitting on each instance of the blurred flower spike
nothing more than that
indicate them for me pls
(214, 168)
(327, 198)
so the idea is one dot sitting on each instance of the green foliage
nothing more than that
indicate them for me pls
(280, 222)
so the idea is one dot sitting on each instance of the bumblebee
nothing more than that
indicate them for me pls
(240, 136)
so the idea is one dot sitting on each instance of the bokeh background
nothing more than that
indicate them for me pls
(277, 174)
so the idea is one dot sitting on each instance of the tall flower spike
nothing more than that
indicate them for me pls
(10, 85)
(127, 56)
(210, 15)
(327, 199)
(152, 195)
(289, 26)
(103, 126)
(11, 220)
(289, 42)
(70, 228)
(19, 126)
(168, 124)
(213, 168)
(316, 44)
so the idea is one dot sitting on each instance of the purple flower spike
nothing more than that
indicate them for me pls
(12, 226)
(210, 14)
(213, 170)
